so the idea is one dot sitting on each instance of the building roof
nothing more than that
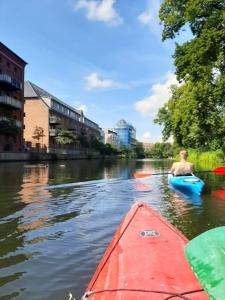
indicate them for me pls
(122, 123)
(3, 45)
(109, 130)
(31, 90)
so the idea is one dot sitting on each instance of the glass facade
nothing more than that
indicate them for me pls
(126, 133)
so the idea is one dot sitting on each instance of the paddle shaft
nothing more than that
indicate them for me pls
(167, 173)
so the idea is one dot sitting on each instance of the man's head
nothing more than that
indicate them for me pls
(183, 154)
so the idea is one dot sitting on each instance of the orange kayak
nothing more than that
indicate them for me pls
(145, 260)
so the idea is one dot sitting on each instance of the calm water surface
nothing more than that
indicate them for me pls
(56, 219)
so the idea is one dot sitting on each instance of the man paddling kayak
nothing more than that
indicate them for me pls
(182, 168)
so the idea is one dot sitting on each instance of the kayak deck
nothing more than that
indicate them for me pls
(145, 260)
(190, 184)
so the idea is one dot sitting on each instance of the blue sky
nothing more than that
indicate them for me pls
(105, 56)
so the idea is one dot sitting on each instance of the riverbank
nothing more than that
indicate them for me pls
(206, 156)
(41, 156)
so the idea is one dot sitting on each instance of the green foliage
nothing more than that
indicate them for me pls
(135, 150)
(82, 139)
(192, 117)
(195, 114)
(160, 150)
(108, 149)
(8, 128)
(94, 142)
(205, 156)
(104, 149)
(65, 137)
(139, 150)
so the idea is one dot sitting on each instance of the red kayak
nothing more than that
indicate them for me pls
(145, 260)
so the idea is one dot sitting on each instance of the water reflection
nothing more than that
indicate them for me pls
(220, 193)
(53, 237)
(179, 195)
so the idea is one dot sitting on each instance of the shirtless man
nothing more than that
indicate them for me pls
(183, 167)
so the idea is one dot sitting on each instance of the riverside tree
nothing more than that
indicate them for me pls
(65, 137)
(38, 133)
(195, 114)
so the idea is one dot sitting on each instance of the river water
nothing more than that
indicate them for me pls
(56, 219)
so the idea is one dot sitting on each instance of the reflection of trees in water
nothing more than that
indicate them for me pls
(17, 189)
(84, 170)
(11, 178)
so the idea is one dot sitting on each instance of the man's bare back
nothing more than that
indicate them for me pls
(183, 167)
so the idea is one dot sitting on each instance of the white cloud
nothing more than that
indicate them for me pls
(160, 93)
(94, 82)
(145, 17)
(147, 137)
(83, 107)
(100, 10)
(150, 17)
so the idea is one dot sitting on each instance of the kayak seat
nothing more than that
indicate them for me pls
(191, 180)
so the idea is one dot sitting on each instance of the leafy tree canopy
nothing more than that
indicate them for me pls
(160, 150)
(204, 54)
(65, 137)
(192, 117)
(195, 114)
(38, 133)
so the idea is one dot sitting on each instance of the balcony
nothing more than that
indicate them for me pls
(54, 120)
(17, 122)
(10, 83)
(9, 101)
(52, 132)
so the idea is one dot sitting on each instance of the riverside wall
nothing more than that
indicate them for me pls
(39, 156)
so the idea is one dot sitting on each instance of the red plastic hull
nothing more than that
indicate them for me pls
(141, 267)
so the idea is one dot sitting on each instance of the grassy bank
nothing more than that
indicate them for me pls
(207, 156)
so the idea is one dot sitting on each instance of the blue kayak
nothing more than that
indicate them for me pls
(190, 184)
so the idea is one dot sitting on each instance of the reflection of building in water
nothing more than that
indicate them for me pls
(16, 221)
(34, 176)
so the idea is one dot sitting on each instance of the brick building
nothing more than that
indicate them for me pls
(147, 146)
(11, 100)
(51, 114)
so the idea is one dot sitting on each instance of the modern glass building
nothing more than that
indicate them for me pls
(126, 133)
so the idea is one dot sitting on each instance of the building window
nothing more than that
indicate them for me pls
(15, 69)
(8, 64)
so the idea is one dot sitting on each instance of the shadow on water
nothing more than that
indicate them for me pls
(56, 219)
